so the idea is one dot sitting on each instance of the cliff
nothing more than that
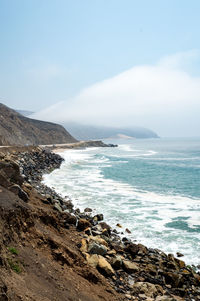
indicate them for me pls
(16, 129)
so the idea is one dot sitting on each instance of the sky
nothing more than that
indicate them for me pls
(111, 62)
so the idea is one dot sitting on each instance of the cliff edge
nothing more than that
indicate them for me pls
(16, 129)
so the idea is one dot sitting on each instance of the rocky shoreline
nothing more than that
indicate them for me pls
(78, 145)
(132, 271)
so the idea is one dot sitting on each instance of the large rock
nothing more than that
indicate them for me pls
(84, 246)
(132, 249)
(58, 207)
(98, 240)
(117, 262)
(105, 267)
(174, 279)
(99, 262)
(98, 217)
(148, 289)
(70, 218)
(83, 224)
(10, 174)
(130, 267)
(95, 248)
(93, 260)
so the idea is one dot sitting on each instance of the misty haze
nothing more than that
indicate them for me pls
(99, 150)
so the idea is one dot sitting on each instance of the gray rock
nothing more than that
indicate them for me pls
(116, 262)
(95, 248)
(58, 207)
(87, 210)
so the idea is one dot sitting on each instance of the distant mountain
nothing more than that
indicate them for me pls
(24, 112)
(86, 132)
(15, 129)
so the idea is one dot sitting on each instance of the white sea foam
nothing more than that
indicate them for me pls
(147, 214)
(127, 148)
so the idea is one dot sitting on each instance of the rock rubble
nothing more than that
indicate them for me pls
(133, 270)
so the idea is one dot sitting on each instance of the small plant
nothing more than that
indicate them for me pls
(13, 250)
(14, 266)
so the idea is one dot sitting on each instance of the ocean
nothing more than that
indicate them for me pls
(150, 186)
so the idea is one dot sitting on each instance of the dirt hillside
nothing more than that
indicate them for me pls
(15, 129)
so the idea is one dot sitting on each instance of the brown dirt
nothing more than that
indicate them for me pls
(48, 264)
(15, 129)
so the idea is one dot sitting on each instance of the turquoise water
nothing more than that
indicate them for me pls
(150, 186)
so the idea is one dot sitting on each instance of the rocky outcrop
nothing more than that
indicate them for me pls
(15, 129)
(71, 254)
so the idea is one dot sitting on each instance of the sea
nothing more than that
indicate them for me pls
(150, 186)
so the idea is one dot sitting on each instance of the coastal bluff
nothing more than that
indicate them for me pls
(16, 129)
(51, 251)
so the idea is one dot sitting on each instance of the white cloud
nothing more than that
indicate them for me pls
(164, 97)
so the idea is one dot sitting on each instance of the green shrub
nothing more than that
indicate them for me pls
(13, 250)
(14, 266)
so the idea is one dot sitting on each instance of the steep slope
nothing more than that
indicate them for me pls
(39, 256)
(16, 129)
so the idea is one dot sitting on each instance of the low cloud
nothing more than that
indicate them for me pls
(164, 97)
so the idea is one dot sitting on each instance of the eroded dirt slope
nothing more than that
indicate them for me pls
(39, 258)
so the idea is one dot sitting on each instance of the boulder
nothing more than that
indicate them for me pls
(83, 224)
(151, 269)
(104, 225)
(181, 263)
(99, 262)
(70, 218)
(118, 247)
(95, 248)
(142, 249)
(87, 210)
(68, 204)
(98, 240)
(58, 207)
(130, 267)
(146, 288)
(10, 171)
(93, 260)
(98, 217)
(174, 279)
(105, 267)
(132, 249)
(84, 246)
(116, 262)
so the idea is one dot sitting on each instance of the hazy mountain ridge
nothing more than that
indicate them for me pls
(16, 129)
(86, 132)
(25, 113)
